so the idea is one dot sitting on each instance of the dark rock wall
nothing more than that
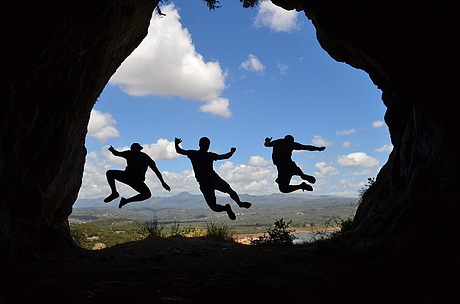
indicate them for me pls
(408, 53)
(58, 56)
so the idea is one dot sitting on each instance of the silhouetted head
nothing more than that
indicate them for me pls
(136, 147)
(289, 138)
(204, 143)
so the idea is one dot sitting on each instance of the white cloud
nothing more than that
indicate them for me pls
(258, 161)
(326, 169)
(345, 132)
(357, 159)
(378, 124)
(346, 144)
(318, 140)
(384, 148)
(249, 179)
(252, 64)
(102, 126)
(166, 63)
(217, 107)
(275, 18)
(94, 183)
(162, 149)
(282, 68)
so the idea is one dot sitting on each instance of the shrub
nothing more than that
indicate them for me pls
(362, 191)
(219, 232)
(151, 228)
(175, 229)
(77, 236)
(280, 235)
(334, 238)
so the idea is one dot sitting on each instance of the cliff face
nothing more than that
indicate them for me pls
(408, 53)
(58, 58)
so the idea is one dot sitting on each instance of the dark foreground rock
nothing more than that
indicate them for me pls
(198, 270)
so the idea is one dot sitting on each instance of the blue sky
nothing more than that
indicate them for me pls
(237, 76)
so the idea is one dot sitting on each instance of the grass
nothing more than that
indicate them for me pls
(110, 232)
(105, 233)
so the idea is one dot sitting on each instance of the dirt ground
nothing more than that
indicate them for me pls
(199, 270)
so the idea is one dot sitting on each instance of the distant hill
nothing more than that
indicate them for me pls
(192, 209)
(185, 200)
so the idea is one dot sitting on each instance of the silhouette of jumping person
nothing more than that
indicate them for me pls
(209, 181)
(134, 175)
(287, 168)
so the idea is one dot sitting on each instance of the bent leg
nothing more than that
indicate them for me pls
(111, 176)
(297, 171)
(291, 188)
(144, 193)
(224, 187)
(285, 174)
(210, 198)
(283, 180)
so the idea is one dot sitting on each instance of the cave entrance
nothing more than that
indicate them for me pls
(237, 76)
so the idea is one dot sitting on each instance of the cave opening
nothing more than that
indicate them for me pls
(258, 88)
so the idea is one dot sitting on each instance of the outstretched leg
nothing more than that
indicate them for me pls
(210, 198)
(111, 176)
(308, 178)
(223, 186)
(297, 171)
(236, 198)
(291, 188)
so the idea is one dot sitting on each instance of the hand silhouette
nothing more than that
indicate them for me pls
(166, 186)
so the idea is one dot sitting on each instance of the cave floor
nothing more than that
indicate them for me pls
(198, 270)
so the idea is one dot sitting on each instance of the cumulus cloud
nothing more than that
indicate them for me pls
(357, 159)
(252, 63)
(166, 63)
(326, 169)
(258, 161)
(318, 140)
(217, 107)
(345, 132)
(384, 148)
(162, 149)
(249, 179)
(276, 18)
(94, 183)
(102, 126)
(378, 124)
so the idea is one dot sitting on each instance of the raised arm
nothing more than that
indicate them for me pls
(179, 150)
(298, 146)
(115, 152)
(226, 155)
(268, 142)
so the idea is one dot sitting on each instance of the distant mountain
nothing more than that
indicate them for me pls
(185, 200)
